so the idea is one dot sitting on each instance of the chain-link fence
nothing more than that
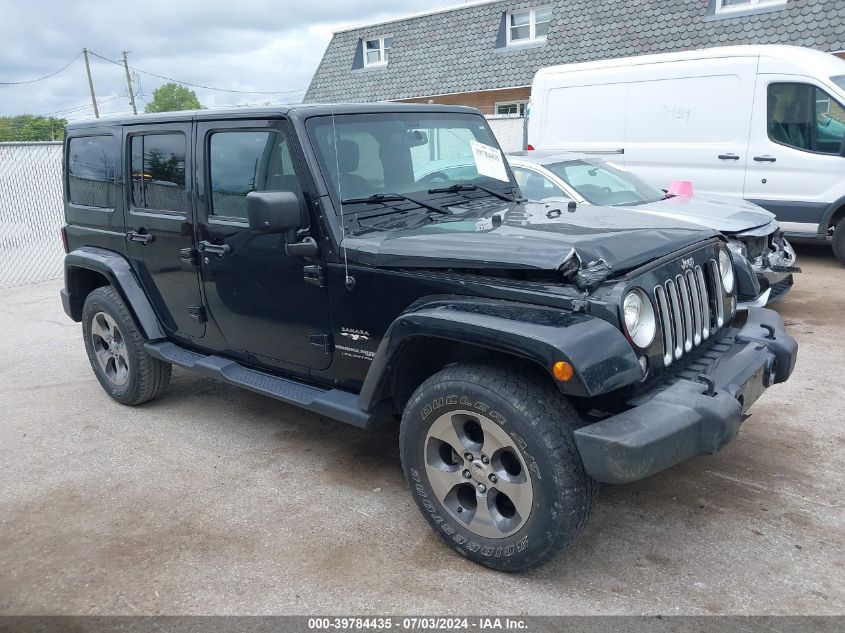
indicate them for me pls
(31, 213)
(510, 131)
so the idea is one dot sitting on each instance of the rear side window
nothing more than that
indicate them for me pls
(90, 167)
(805, 117)
(244, 161)
(158, 172)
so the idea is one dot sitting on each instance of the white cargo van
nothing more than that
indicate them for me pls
(763, 122)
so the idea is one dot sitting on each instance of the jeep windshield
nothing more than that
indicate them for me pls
(601, 184)
(392, 158)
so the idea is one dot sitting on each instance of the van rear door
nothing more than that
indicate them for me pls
(689, 121)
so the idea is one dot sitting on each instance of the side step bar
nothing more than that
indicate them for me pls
(332, 403)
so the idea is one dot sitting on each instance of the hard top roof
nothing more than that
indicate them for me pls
(301, 111)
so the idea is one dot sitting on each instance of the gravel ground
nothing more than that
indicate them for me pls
(216, 500)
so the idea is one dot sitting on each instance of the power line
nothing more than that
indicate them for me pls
(193, 85)
(32, 81)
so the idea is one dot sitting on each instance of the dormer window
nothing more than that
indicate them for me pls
(529, 25)
(377, 51)
(734, 6)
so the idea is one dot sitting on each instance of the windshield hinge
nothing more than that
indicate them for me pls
(198, 313)
(579, 305)
(314, 275)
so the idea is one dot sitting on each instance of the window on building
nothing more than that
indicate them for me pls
(377, 51)
(244, 161)
(728, 6)
(529, 25)
(158, 172)
(805, 117)
(516, 108)
(90, 167)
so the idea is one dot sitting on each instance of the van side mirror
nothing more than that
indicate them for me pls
(274, 212)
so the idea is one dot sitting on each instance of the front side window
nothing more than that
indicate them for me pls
(805, 117)
(515, 108)
(90, 167)
(529, 25)
(158, 172)
(362, 155)
(728, 6)
(244, 161)
(536, 186)
(599, 183)
(377, 51)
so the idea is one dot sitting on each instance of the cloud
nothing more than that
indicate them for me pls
(242, 44)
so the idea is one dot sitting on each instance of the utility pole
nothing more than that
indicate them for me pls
(129, 84)
(90, 84)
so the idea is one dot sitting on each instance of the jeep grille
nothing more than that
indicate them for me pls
(691, 308)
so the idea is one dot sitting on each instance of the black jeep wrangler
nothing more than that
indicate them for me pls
(350, 260)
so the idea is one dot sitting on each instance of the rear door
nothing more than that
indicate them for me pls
(255, 292)
(689, 121)
(159, 222)
(795, 169)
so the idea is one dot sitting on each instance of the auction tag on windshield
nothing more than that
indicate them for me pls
(489, 161)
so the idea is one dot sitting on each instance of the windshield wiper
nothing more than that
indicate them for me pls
(377, 198)
(467, 187)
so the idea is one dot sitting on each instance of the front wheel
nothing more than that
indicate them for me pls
(839, 241)
(490, 459)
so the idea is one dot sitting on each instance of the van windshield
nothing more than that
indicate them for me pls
(366, 155)
(601, 184)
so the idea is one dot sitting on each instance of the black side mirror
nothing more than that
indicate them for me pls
(274, 212)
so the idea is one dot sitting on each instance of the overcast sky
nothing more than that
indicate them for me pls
(236, 44)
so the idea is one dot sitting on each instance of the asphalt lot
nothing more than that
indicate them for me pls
(216, 500)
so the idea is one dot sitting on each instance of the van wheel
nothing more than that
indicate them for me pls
(839, 241)
(490, 459)
(116, 352)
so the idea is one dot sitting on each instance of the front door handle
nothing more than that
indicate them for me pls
(144, 238)
(765, 159)
(728, 157)
(215, 249)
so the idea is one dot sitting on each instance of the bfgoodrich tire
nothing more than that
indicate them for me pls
(115, 348)
(491, 462)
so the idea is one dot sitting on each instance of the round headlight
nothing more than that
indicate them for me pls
(639, 318)
(726, 270)
(735, 246)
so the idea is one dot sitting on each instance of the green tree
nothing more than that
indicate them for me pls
(171, 97)
(29, 127)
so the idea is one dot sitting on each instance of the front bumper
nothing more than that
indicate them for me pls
(696, 415)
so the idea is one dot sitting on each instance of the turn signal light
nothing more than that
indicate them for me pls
(562, 371)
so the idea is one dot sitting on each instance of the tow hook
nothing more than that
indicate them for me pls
(711, 386)
(770, 329)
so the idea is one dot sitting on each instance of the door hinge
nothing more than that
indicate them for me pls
(322, 340)
(198, 313)
(314, 275)
(189, 256)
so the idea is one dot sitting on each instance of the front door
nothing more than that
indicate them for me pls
(794, 168)
(255, 292)
(159, 223)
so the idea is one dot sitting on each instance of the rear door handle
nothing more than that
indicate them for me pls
(728, 157)
(215, 249)
(765, 159)
(144, 238)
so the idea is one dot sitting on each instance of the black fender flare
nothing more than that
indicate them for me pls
(117, 270)
(602, 358)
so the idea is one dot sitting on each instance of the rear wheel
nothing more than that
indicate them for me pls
(839, 241)
(115, 348)
(491, 461)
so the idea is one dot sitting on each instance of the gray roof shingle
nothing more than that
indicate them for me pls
(455, 50)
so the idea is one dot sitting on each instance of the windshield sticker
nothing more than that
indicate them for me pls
(489, 161)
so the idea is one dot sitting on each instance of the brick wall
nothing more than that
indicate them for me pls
(485, 101)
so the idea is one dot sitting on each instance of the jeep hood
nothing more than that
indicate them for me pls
(725, 214)
(532, 236)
